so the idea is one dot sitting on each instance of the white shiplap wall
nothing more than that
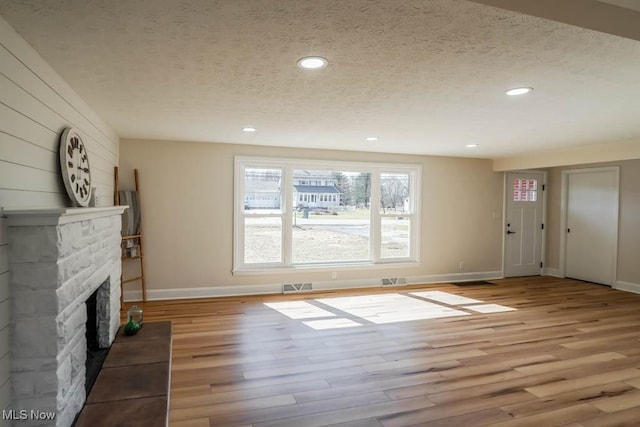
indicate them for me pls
(5, 384)
(35, 106)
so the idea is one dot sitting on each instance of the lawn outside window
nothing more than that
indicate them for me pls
(294, 213)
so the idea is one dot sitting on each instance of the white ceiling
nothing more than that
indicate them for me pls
(426, 76)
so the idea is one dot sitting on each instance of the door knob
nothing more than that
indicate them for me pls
(511, 232)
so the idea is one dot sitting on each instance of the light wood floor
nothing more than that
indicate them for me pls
(569, 355)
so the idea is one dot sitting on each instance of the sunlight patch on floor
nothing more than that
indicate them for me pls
(446, 297)
(390, 308)
(299, 309)
(384, 308)
(331, 324)
(489, 308)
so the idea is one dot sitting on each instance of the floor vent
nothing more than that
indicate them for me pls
(394, 281)
(296, 287)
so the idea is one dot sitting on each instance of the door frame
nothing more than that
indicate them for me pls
(564, 212)
(506, 191)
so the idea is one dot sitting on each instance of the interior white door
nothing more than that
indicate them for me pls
(523, 223)
(592, 226)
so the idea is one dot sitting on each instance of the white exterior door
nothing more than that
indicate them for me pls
(592, 225)
(523, 224)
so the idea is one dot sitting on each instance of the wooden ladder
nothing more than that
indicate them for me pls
(139, 236)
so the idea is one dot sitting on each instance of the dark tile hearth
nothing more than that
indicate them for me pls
(148, 412)
(130, 382)
(124, 353)
(132, 388)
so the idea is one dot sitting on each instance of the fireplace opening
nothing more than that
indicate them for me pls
(95, 355)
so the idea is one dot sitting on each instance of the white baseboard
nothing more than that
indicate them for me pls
(554, 272)
(455, 277)
(203, 292)
(228, 291)
(331, 285)
(627, 286)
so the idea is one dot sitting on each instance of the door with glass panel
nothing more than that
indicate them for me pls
(523, 224)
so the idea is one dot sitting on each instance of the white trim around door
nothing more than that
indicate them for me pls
(524, 219)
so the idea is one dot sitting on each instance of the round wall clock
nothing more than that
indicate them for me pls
(74, 166)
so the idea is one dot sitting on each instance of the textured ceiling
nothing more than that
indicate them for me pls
(426, 76)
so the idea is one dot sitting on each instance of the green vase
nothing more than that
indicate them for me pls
(132, 327)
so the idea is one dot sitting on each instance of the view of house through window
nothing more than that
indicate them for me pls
(292, 215)
(331, 220)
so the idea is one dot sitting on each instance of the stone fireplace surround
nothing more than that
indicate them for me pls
(58, 258)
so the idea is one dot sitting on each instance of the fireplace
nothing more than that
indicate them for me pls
(59, 259)
(96, 354)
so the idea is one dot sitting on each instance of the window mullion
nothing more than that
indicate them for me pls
(286, 192)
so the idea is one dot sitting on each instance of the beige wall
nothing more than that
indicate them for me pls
(594, 153)
(629, 219)
(35, 106)
(187, 208)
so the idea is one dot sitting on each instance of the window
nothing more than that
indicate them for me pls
(395, 214)
(305, 213)
(525, 190)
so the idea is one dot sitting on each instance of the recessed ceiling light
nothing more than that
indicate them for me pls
(518, 91)
(312, 62)
(471, 145)
(248, 129)
(372, 138)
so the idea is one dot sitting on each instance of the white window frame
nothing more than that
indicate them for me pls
(287, 166)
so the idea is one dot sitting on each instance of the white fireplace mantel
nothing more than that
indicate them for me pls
(21, 217)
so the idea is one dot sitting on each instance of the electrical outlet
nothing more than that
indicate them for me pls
(461, 265)
(334, 274)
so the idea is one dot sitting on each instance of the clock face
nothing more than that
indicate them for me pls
(74, 165)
